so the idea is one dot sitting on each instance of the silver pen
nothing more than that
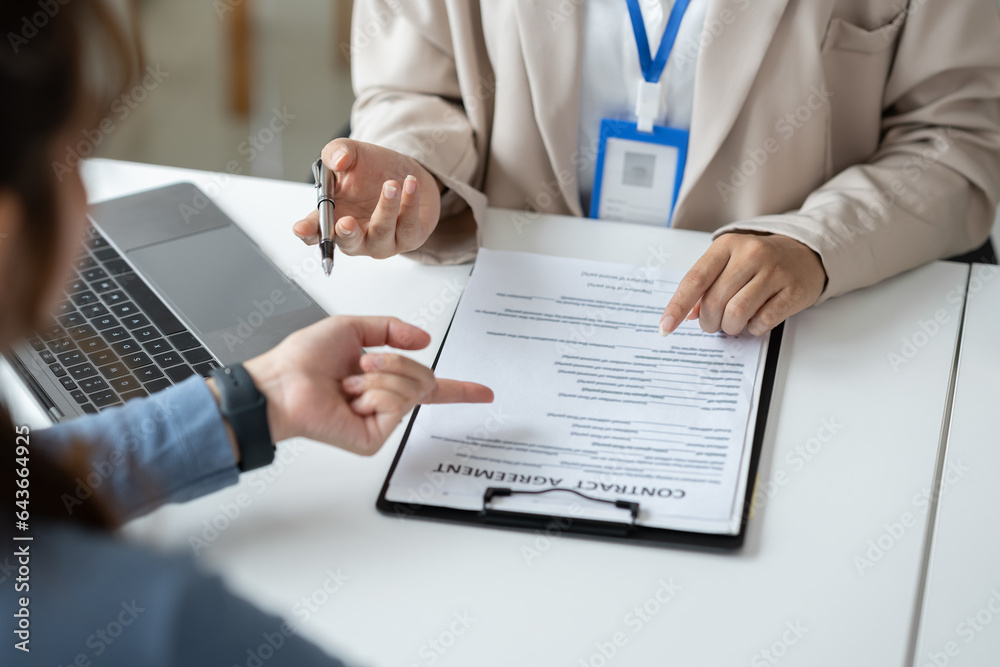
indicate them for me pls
(325, 182)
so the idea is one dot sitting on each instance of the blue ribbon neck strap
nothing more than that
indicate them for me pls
(652, 68)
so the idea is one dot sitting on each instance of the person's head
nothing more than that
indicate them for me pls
(56, 74)
(59, 69)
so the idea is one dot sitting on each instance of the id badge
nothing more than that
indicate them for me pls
(638, 174)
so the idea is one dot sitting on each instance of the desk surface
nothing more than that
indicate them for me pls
(831, 568)
(961, 611)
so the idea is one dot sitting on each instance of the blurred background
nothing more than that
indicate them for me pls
(255, 87)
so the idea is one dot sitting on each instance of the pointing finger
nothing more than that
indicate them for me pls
(693, 286)
(454, 391)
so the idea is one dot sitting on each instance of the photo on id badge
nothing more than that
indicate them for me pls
(638, 174)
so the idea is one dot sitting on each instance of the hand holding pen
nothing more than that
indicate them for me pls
(386, 202)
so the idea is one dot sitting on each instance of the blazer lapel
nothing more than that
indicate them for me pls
(551, 42)
(729, 63)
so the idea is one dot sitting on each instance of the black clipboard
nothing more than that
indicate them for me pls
(625, 531)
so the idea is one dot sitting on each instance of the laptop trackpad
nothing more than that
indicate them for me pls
(225, 288)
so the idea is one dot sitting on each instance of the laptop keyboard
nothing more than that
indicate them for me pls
(112, 338)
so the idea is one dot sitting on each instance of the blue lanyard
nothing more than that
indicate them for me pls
(652, 68)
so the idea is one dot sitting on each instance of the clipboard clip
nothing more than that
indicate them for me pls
(493, 515)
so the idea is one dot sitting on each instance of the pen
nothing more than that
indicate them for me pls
(324, 202)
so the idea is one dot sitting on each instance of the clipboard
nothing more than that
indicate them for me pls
(626, 529)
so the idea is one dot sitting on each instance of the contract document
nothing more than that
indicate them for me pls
(590, 402)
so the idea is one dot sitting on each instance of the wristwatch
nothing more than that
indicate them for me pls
(245, 408)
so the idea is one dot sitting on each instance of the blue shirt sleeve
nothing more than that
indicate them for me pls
(169, 447)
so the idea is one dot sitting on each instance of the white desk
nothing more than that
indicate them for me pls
(475, 592)
(961, 614)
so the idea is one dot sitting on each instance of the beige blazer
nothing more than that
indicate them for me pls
(866, 131)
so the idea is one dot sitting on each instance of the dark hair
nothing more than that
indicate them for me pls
(50, 65)
(44, 70)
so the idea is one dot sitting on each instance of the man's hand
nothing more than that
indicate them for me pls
(318, 384)
(385, 203)
(747, 280)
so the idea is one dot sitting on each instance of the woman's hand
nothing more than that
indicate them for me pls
(385, 202)
(747, 280)
(319, 385)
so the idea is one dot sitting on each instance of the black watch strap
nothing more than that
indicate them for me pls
(245, 408)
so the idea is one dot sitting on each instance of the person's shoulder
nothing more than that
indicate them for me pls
(63, 545)
(120, 603)
(96, 596)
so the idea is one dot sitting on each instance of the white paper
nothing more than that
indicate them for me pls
(588, 397)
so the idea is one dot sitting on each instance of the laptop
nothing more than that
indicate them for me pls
(165, 287)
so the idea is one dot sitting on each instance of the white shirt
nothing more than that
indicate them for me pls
(611, 72)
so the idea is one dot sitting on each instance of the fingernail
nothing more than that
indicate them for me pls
(667, 324)
(390, 191)
(376, 360)
(354, 383)
(345, 232)
(410, 184)
(337, 157)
